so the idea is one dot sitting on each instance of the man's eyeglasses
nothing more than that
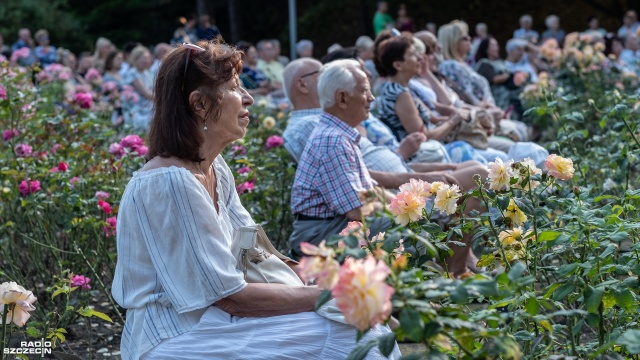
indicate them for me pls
(309, 74)
(189, 47)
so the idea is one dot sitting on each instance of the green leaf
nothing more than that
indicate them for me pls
(87, 312)
(624, 298)
(386, 343)
(562, 292)
(630, 339)
(593, 298)
(324, 297)
(415, 356)
(412, 324)
(548, 235)
(516, 271)
(567, 269)
(532, 306)
(432, 329)
(523, 335)
(361, 351)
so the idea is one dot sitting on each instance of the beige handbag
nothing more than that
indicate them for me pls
(261, 262)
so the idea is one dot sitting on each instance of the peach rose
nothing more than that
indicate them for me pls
(320, 266)
(12, 293)
(362, 294)
(417, 187)
(559, 167)
(406, 206)
(447, 199)
(500, 174)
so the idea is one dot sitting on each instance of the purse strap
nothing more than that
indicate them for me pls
(264, 242)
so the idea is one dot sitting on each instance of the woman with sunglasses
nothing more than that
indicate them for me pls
(176, 274)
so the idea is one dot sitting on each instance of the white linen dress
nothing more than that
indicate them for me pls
(175, 262)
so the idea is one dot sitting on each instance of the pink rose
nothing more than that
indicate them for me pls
(63, 166)
(64, 76)
(83, 99)
(319, 265)
(117, 150)
(274, 141)
(110, 228)
(109, 86)
(20, 54)
(362, 294)
(355, 228)
(105, 206)
(101, 195)
(27, 187)
(141, 150)
(235, 149)
(3, 93)
(93, 75)
(81, 282)
(73, 181)
(247, 186)
(23, 150)
(559, 167)
(55, 148)
(9, 134)
(244, 170)
(44, 76)
(130, 141)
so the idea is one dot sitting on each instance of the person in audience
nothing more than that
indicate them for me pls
(629, 54)
(205, 29)
(268, 63)
(45, 53)
(185, 33)
(381, 19)
(518, 59)
(613, 50)
(553, 29)
(186, 175)
(331, 175)
(103, 47)
(68, 59)
(404, 22)
(126, 51)
(160, 51)
(278, 52)
(333, 47)
(304, 48)
(141, 79)
(482, 32)
(253, 79)
(593, 26)
(85, 62)
(364, 45)
(431, 27)
(25, 41)
(630, 24)
(525, 31)
(112, 65)
(505, 85)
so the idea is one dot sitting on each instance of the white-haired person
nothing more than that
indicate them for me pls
(553, 29)
(331, 173)
(304, 48)
(525, 31)
(519, 56)
(103, 47)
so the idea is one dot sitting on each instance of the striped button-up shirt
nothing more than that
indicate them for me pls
(331, 172)
(299, 129)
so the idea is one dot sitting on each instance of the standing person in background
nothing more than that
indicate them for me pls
(206, 30)
(269, 64)
(365, 46)
(304, 48)
(126, 50)
(382, 20)
(630, 24)
(525, 31)
(103, 47)
(141, 79)
(553, 29)
(186, 31)
(44, 51)
(404, 22)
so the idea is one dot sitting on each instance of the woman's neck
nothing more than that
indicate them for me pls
(401, 78)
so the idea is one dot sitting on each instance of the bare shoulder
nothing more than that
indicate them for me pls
(161, 162)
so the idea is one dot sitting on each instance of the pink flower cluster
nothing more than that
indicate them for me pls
(55, 72)
(246, 186)
(9, 134)
(274, 141)
(110, 228)
(20, 54)
(105, 206)
(238, 150)
(23, 150)
(244, 170)
(3, 93)
(81, 282)
(93, 76)
(83, 99)
(62, 167)
(129, 95)
(27, 187)
(131, 142)
(108, 87)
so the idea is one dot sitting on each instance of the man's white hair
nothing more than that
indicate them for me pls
(303, 44)
(335, 76)
(293, 71)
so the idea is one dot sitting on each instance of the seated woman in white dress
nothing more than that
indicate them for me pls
(176, 274)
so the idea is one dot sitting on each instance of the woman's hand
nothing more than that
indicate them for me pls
(411, 144)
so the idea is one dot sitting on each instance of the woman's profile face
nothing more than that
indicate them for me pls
(117, 61)
(411, 63)
(234, 114)
(463, 45)
(493, 51)
(251, 56)
(144, 61)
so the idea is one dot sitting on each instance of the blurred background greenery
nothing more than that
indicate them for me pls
(76, 24)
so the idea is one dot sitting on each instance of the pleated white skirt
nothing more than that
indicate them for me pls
(298, 336)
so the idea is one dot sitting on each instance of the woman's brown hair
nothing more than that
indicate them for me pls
(174, 130)
(392, 50)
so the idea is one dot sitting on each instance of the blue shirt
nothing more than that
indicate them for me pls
(299, 129)
(252, 78)
(46, 58)
(331, 172)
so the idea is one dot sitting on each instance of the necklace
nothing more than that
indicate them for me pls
(206, 181)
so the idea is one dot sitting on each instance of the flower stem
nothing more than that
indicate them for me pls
(4, 330)
(493, 229)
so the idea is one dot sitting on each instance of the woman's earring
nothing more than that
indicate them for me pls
(205, 126)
